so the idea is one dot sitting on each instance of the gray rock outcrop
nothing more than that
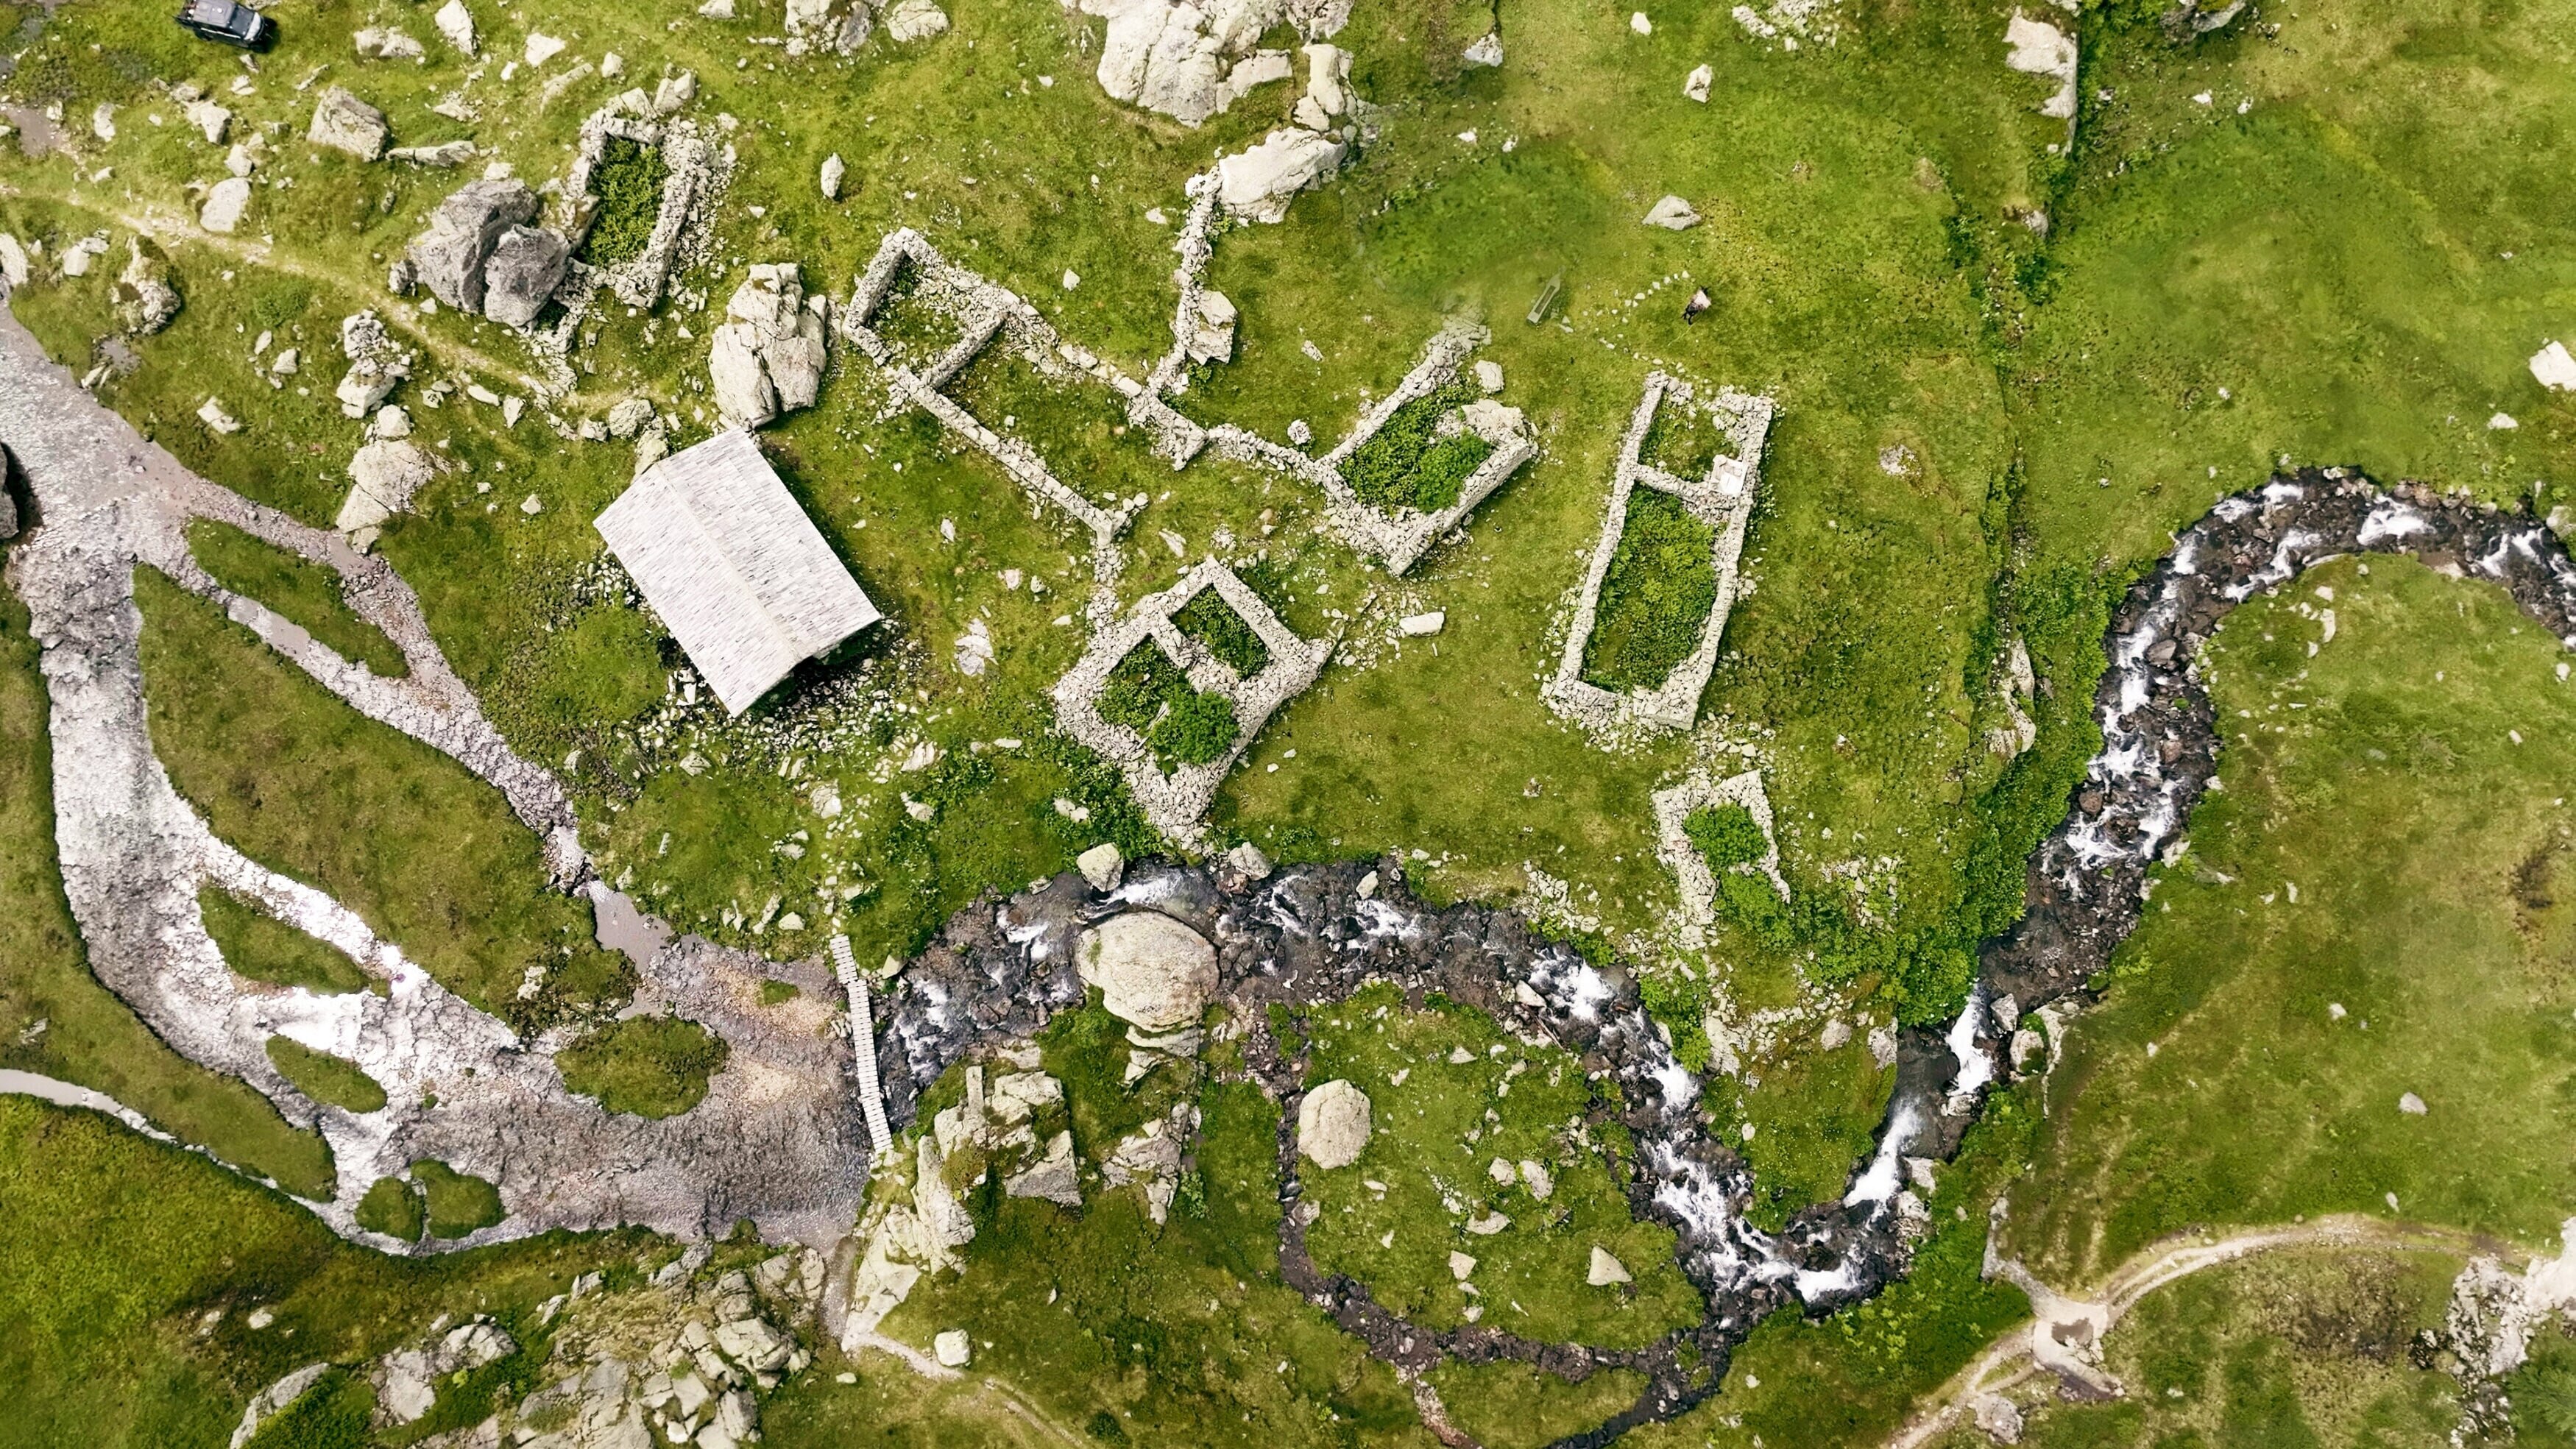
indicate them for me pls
(1256, 184)
(226, 200)
(526, 265)
(377, 364)
(1152, 971)
(768, 357)
(145, 299)
(480, 254)
(344, 123)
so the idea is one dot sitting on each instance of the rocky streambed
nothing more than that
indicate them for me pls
(1308, 936)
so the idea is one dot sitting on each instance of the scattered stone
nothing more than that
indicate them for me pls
(211, 413)
(1489, 376)
(1418, 625)
(241, 161)
(1460, 1265)
(225, 203)
(716, 10)
(1488, 1225)
(13, 261)
(102, 121)
(210, 120)
(674, 92)
(274, 1398)
(1837, 1032)
(1535, 1176)
(2552, 367)
(1152, 971)
(951, 1347)
(383, 43)
(1605, 1270)
(2412, 1105)
(444, 155)
(383, 477)
(541, 48)
(1247, 858)
(145, 299)
(2000, 1418)
(1672, 214)
(377, 364)
(1213, 338)
(1640, 24)
(911, 20)
(456, 24)
(2039, 48)
(407, 1380)
(1256, 184)
(629, 417)
(1695, 85)
(768, 357)
(1333, 1124)
(834, 168)
(1487, 51)
(1102, 865)
(344, 123)
(1299, 432)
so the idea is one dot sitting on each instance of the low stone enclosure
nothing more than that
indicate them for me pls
(1723, 499)
(695, 168)
(1399, 536)
(1175, 800)
(1673, 810)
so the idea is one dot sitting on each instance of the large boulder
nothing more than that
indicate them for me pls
(383, 476)
(1333, 1124)
(1256, 184)
(525, 266)
(911, 20)
(1152, 971)
(450, 256)
(768, 357)
(344, 123)
(225, 203)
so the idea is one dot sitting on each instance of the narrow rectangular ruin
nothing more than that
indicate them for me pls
(1722, 498)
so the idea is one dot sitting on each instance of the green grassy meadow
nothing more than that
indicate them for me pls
(2009, 361)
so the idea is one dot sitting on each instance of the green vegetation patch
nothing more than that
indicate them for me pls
(1508, 1405)
(1435, 1138)
(918, 330)
(1212, 623)
(263, 948)
(1148, 693)
(1726, 836)
(306, 593)
(1655, 598)
(430, 856)
(326, 1078)
(458, 1203)
(1683, 439)
(650, 1066)
(392, 1207)
(1407, 465)
(628, 182)
(335, 1413)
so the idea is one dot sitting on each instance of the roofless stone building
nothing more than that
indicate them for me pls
(734, 567)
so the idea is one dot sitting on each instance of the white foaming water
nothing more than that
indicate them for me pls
(2392, 520)
(1975, 1070)
(1880, 1182)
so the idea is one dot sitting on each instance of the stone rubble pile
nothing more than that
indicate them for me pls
(377, 364)
(146, 299)
(1192, 61)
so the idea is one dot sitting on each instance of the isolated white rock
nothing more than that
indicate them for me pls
(1640, 24)
(1696, 84)
(952, 1348)
(211, 413)
(1605, 1269)
(1102, 865)
(2552, 367)
(1152, 971)
(1333, 1124)
(1256, 184)
(446, 155)
(1247, 858)
(1419, 625)
(1488, 50)
(386, 43)
(834, 169)
(456, 25)
(1489, 376)
(225, 203)
(344, 123)
(209, 120)
(383, 477)
(911, 20)
(541, 48)
(768, 356)
(13, 261)
(1672, 214)
(1328, 71)
(1460, 1266)
(2039, 48)
(2411, 1105)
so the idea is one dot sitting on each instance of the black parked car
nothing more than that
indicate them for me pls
(229, 22)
